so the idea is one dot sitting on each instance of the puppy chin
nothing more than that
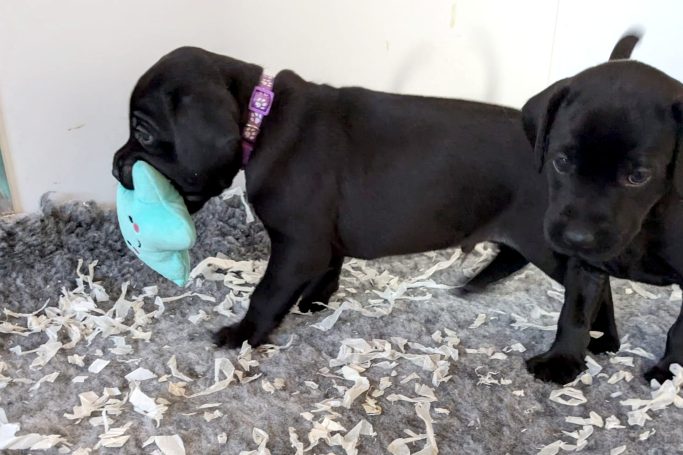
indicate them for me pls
(604, 253)
(195, 203)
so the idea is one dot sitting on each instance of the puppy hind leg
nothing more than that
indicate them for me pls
(672, 354)
(506, 262)
(290, 269)
(322, 288)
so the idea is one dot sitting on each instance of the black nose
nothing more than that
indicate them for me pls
(579, 238)
(115, 172)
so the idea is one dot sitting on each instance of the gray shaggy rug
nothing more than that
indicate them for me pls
(404, 366)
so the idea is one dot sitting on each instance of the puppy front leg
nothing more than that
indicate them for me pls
(290, 268)
(672, 354)
(605, 323)
(584, 292)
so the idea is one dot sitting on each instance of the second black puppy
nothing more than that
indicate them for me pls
(333, 173)
(612, 137)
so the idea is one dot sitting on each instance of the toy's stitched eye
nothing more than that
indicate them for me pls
(131, 219)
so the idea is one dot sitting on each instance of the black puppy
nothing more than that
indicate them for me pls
(334, 172)
(612, 136)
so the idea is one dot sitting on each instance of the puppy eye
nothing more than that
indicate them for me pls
(639, 177)
(561, 164)
(143, 137)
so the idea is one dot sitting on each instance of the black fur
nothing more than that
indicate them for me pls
(335, 172)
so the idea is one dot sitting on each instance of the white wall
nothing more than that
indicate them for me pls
(67, 67)
(588, 29)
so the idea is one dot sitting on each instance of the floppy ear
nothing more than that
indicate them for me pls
(538, 115)
(206, 128)
(678, 150)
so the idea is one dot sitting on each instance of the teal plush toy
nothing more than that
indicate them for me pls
(155, 223)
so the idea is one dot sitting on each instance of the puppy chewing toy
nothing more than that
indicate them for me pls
(155, 223)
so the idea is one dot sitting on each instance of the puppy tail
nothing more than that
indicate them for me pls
(625, 45)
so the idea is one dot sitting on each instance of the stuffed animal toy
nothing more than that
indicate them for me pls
(155, 223)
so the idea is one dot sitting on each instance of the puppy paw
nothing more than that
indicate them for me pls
(235, 335)
(604, 344)
(558, 368)
(310, 306)
(466, 289)
(661, 371)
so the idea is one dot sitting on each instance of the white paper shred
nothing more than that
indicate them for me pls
(114, 437)
(641, 291)
(9, 440)
(664, 396)
(76, 360)
(169, 445)
(47, 378)
(311, 385)
(612, 423)
(261, 439)
(209, 416)
(638, 351)
(328, 322)
(200, 316)
(120, 346)
(239, 192)
(618, 450)
(644, 436)
(361, 385)
(222, 368)
(400, 446)
(619, 376)
(517, 347)
(91, 402)
(593, 419)
(98, 365)
(555, 447)
(173, 366)
(430, 447)
(140, 374)
(574, 396)
(479, 321)
(145, 405)
(594, 368)
(621, 360)
(297, 445)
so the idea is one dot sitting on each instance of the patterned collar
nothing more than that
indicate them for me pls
(259, 107)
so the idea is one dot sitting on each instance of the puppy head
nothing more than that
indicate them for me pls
(185, 115)
(608, 140)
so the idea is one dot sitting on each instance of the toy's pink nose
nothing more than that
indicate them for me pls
(136, 228)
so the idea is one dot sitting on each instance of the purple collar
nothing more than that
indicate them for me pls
(259, 107)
